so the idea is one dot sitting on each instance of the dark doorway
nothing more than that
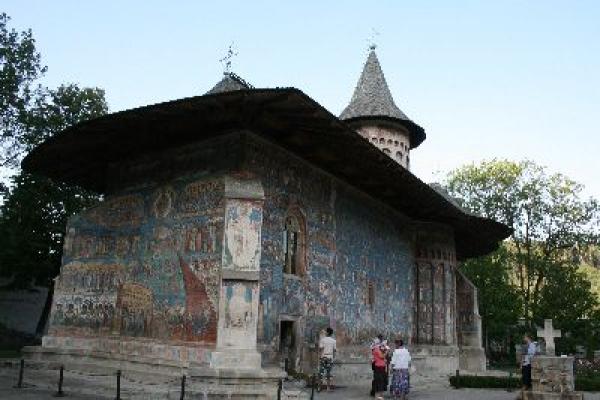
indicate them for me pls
(287, 344)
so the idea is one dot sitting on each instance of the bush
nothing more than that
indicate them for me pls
(487, 382)
(587, 368)
(583, 383)
(587, 383)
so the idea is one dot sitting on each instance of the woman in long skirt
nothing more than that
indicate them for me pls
(400, 377)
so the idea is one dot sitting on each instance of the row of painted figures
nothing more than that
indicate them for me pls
(172, 323)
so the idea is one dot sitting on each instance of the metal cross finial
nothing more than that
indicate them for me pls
(226, 61)
(371, 39)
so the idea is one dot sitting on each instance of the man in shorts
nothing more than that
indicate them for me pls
(327, 349)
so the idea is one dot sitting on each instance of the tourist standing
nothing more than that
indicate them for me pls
(380, 374)
(528, 353)
(327, 350)
(400, 376)
(376, 343)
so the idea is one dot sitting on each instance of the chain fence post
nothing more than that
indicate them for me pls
(458, 379)
(19, 384)
(60, 392)
(118, 385)
(182, 388)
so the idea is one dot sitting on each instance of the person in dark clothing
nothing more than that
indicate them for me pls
(376, 343)
(380, 371)
(528, 353)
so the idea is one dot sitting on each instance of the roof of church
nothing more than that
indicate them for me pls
(230, 82)
(85, 154)
(373, 100)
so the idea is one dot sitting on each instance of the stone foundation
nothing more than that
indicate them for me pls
(552, 378)
(435, 360)
(226, 383)
(472, 359)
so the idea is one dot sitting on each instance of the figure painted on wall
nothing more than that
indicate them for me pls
(238, 309)
(199, 322)
(135, 309)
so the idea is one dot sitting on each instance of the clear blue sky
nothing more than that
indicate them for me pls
(507, 79)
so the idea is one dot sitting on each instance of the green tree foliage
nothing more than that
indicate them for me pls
(20, 67)
(32, 226)
(499, 301)
(35, 209)
(551, 222)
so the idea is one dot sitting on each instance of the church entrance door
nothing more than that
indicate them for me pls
(288, 344)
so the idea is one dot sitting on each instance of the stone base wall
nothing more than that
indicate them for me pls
(133, 347)
(435, 360)
(353, 364)
(472, 359)
(233, 383)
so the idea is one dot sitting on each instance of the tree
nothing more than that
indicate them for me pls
(20, 67)
(32, 225)
(34, 214)
(550, 219)
(35, 209)
(499, 301)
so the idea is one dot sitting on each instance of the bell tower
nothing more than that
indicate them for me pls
(374, 115)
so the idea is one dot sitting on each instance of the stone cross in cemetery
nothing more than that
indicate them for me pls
(549, 333)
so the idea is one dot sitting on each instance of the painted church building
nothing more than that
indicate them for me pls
(237, 225)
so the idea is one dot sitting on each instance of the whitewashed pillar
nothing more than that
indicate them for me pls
(240, 271)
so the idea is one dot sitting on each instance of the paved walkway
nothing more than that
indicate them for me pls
(39, 392)
(355, 393)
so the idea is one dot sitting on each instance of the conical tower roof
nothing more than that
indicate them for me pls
(229, 83)
(373, 100)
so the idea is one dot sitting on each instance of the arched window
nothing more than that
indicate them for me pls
(386, 151)
(381, 141)
(399, 155)
(390, 142)
(294, 243)
(396, 143)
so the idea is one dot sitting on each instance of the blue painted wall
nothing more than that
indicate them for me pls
(352, 242)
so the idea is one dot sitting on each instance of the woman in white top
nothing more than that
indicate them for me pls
(400, 378)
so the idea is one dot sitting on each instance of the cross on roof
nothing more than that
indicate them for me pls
(372, 39)
(226, 61)
(549, 333)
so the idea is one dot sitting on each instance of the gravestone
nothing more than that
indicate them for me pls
(551, 376)
(548, 334)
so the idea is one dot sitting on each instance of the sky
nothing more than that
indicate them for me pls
(486, 79)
